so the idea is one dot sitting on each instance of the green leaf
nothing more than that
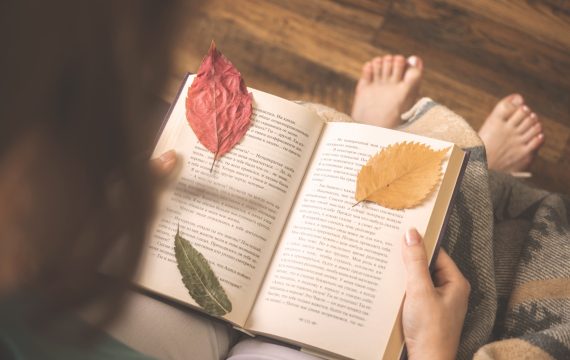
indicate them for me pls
(200, 279)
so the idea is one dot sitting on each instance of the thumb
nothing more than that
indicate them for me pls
(415, 259)
(164, 165)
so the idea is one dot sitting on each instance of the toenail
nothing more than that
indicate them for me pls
(413, 60)
(517, 100)
(525, 108)
(533, 115)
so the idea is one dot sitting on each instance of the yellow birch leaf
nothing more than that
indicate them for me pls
(400, 176)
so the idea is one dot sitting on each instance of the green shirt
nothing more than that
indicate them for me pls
(18, 340)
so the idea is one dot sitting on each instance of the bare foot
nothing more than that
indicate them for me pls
(388, 87)
(512, 134)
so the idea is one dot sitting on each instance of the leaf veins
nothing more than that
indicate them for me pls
(218, 105)
(199, 278)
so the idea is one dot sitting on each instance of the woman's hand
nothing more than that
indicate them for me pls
(434, 311)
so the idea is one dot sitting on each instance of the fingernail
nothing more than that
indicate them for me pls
(517, 100)
(412, 237)
(526, 109)
(168, 156)
(413, 61)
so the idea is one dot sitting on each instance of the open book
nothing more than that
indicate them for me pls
(276, 223)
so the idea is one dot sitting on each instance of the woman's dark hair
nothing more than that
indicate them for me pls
(74, 82)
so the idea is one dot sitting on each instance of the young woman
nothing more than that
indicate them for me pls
(75, 185)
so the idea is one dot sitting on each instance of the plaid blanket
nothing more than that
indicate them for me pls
(511, 241)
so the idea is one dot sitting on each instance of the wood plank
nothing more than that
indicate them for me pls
(317, 42)
(358, 19)
(556, 140)
(552, 178)
(545, 21)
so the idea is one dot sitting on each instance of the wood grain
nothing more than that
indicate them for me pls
(475, 53)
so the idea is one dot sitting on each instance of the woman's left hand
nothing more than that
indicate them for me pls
(164, 165)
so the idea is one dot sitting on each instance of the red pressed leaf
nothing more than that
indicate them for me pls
(218, 106)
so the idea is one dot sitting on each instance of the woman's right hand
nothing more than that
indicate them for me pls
(434, 311)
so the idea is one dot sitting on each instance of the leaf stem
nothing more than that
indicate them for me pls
(357, 203)
(213, 162)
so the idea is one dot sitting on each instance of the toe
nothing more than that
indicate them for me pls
(534, 131)
(518, 116)
(535, 142)
(415, 61)
(367, 73)
(377, 68)
(507, 106)
(527, 123)
(398, 68)
(387, 67)
(413, 72)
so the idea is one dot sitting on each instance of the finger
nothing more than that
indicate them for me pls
(164, 165)
(415, 260)
(446, 272)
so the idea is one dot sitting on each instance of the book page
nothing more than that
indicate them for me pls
(338, 268)
(233, 215)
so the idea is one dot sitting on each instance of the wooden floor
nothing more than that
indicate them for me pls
(474, 51)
